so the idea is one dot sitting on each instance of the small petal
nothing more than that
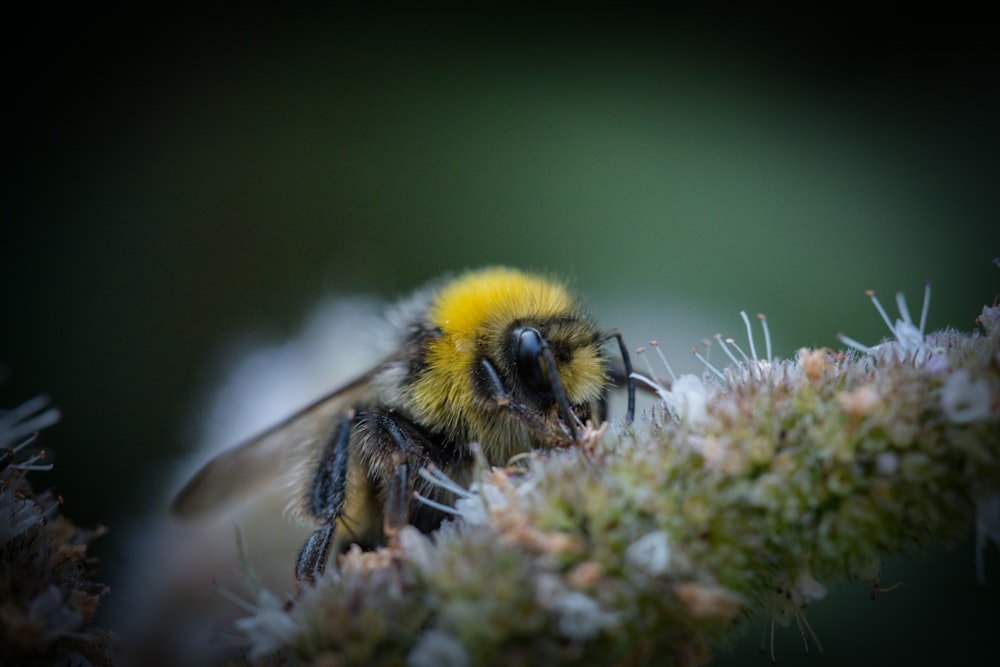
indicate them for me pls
(476, 509)
(416, 546)
(807, 590)
(887, 464)
(989, 319)
(438, 649)
(581, 617)
(270, 628)
(650, 554)
(688, 399)
(964, 400)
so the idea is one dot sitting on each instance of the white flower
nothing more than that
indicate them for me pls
(887, 464)
(20, 422)
(438, 649)
(787, 605)
(807, 589)
(937, 362)
(990, 320)
(49, 610)
(417, 547)
(964, 400)
(650, 554)
(908, 338)
(475, 504)
(475, 507)
(688, 396)
(21, 425)
(744, 367)
(16, 514)
(580, 617)
(270, 628)
(688, 399)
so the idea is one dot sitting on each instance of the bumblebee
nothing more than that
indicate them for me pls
(497, 356)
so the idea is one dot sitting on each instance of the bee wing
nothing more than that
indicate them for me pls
(265, 458)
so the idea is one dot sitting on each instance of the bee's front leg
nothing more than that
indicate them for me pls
(326, 503)
(492, 389)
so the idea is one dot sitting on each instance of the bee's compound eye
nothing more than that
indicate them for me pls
(529, 359)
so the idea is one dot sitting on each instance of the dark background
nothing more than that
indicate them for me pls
(177, 178)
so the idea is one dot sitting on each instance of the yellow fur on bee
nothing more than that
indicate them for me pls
(483, 297)
(481, 306)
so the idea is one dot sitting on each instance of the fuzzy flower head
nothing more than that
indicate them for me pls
(835, 425)
(579, 616)
(755, 488)
(908, 338)
(967, 395)
(269, 626)
(687, 397)
(965, 399)
(47, 604)
(742, 366)
(19, 428)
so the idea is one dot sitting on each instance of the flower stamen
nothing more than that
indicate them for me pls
(926, 307)
(30, 417)
(725, 349)
(708, 364)
(641, 352)
(670, 371)
(881, 311)
(857, 345)
(746, 321)
(435, 504)
(908, 336)
(7, 457)
(767, 334)
(435, 476)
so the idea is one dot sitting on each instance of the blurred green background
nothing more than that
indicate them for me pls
(177, 179)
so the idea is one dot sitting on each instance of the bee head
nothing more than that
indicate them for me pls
(535, 366)
(505, 334)
(564, 369)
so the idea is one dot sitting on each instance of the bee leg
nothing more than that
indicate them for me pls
(601, 409)
(398, 450)
(531, 418)
(326, 502)
(397, 503)
(625, 377)
(313, 556)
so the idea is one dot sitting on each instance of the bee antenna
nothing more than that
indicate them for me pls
(630, 414)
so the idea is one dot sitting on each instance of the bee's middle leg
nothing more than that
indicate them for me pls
(326, 503)
(399, 449)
